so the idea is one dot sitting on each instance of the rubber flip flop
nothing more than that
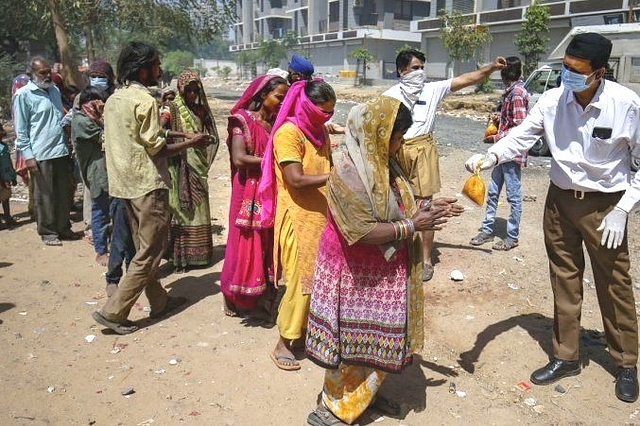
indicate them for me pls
(287, 367)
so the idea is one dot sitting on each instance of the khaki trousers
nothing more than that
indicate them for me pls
(568, 223)
(149, 221)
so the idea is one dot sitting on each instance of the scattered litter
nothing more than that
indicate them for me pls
(174, 361)
(524, 386)
(379, 419)
(513, 286)
(456, 275)
(503, 272)
(528, 198)
(518, 259)
(50, 389)
(145, 422)
(634, 414)
(127, 391)
(91, 303)
(560, 389)
(530, 402)
(117, 347)
(461, 394)
(586, 281)
(452, 387)
(23, 313)
(469, 317)
(90, 338)
(202, 344)
(538, 409)
(160, 371)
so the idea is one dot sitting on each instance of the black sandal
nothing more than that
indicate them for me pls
(321, 416)
(126, 327)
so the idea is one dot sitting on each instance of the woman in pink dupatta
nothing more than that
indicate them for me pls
(247, 272)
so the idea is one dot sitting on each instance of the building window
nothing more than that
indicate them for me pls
(403, 10)
(276, 4)
(505, 4)
(334, 11)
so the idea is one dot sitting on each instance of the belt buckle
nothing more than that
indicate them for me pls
(578, 195)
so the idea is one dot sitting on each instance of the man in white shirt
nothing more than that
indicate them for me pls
(419, 154)
(593, 130)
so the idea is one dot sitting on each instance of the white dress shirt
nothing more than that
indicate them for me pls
(591, 148)
(423, 111)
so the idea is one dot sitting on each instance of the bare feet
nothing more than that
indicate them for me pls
(102, 259)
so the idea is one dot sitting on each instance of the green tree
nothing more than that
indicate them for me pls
(290, 40)
(177, 61)
(271, 52)
(408, 47)
(532, 38)
(101, 27)
(223, 72)
(362, 54)
(462, 38)
(246, 62)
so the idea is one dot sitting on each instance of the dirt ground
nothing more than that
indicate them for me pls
(484, 336)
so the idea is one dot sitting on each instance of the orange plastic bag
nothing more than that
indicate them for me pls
(474, 188)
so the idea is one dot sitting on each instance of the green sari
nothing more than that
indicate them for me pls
(191, 243)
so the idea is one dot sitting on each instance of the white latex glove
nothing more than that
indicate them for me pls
(485, 161)
(612, 228)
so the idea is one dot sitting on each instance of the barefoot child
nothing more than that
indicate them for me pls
(7, 179)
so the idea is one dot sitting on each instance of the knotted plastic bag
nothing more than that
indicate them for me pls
(474, 188)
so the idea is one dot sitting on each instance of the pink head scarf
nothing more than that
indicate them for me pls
(298, 109)
(251, 91)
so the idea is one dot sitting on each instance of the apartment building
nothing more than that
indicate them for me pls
(329, 30)
(504, 19)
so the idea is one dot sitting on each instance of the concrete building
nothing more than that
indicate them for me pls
(329, 30)
(504, 19)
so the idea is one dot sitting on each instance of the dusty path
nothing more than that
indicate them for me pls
(484, 334)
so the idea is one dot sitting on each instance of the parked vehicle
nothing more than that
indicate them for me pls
(624, 65)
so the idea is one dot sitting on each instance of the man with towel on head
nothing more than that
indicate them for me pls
(299, 69)
(302, 69)
(592, 128)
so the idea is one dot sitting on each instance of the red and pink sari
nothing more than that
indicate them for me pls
(248, 261)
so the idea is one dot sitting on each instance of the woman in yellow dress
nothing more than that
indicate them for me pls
(298, 165)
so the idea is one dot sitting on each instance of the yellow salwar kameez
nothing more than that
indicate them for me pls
(301, 215)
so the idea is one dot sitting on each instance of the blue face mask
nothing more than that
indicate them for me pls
(101, 83)
(574, 81)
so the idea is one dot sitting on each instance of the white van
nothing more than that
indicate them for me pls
(624, 65)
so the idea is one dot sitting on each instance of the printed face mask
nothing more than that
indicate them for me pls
(574, 81)
(413, 80)
(101, 83)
